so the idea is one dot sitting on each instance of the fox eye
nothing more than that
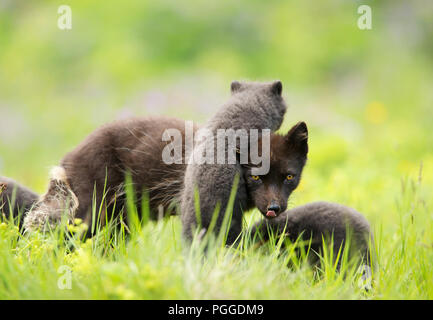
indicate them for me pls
(289, 177)
(255, 178)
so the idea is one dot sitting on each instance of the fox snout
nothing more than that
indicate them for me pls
(273, 209)
(270, 200)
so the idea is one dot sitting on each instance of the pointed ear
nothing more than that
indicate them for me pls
(297, 138)
(235, 86)
(277, 88)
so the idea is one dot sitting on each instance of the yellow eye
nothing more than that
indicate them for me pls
(289, 177)
(255, 177)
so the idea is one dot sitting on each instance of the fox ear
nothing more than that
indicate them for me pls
(277, 87)
(235, 86)
(297, 138)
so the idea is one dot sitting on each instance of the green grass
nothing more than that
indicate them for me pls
(151, 261)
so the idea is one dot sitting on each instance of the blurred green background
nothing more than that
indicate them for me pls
(366, 95)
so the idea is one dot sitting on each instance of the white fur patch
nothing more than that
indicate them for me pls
(59, 201)
(58, 173)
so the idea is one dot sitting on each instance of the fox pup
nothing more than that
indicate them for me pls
(94, 172)
(316, 220)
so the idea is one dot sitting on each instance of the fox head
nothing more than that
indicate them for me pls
(288, 155)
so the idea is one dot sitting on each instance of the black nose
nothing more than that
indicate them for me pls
(274, 207)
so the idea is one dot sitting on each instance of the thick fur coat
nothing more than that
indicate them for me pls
(94, 173)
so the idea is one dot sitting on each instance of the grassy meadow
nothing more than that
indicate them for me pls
(366, 96)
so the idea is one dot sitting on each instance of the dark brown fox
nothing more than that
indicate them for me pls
(94, 172)
(15, 199)
(288, 156)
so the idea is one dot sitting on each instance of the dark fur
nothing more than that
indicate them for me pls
(85, 167)
(134, 146)
(251, 106)
(288, 156)
(318, 219)
(23, 198)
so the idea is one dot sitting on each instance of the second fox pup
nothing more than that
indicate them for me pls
(252, 105)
